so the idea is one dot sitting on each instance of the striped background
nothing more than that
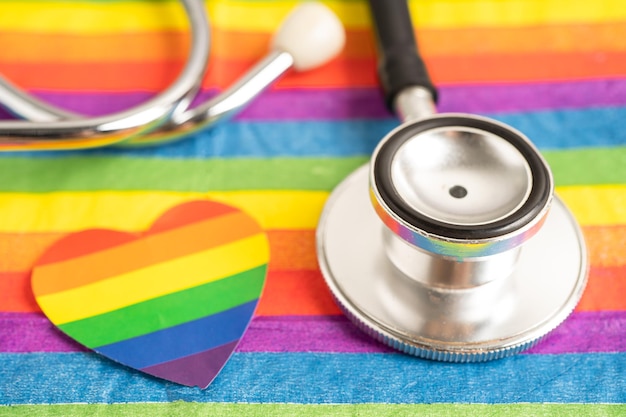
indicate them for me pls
(554, 68)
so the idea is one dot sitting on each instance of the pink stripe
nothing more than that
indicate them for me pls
(333, 104)
(582, 333)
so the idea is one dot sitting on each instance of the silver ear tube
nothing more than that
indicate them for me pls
(28, 107)
(223, 106)
(167, 116)
(57, 129)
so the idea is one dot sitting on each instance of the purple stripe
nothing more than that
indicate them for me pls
(582, 333)
(307, 334)
(33, 332)
(336, 104)
(195, 370)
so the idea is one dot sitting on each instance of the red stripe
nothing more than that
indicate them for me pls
(340, 73)
(16, 294)
(304, 292)
(606, 290)
(300, 293)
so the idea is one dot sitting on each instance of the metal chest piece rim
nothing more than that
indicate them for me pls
(394, 301)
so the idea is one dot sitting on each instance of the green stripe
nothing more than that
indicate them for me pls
(278, 410)
(571, 167)
(173, 309)
(122, 173)
(588, 166)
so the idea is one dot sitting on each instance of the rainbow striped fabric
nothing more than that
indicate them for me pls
(555, 69)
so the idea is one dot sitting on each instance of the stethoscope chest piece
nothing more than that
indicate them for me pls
(450, 244)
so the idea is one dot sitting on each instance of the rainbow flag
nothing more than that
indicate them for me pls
(555, 69)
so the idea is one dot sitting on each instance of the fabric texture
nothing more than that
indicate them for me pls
(554, 69)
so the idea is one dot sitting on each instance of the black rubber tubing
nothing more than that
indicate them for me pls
(399, 63)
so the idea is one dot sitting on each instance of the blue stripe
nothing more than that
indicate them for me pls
(43, 378)
(547, 129)
(182, 340)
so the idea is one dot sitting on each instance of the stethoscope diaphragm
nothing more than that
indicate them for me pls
(450, 244)
(440, 307)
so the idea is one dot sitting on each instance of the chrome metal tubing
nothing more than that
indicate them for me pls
(414, 103)
(57, 129)
(28, 107)
(447, 272)
(221, 107)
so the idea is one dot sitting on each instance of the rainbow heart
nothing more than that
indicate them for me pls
(172, 302)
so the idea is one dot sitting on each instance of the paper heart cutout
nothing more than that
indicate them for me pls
(172, 302)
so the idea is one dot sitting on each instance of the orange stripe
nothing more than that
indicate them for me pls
(181, 215)
(604, 37)
(605, 290)
(154, 76)
(130, 256)
(59, 47)
(172, 45)
(295, 249)
(606, 245)
(303, 292)
(20, 251)
(290, 249)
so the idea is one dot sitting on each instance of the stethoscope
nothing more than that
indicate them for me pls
(310, 36)
(450, 244)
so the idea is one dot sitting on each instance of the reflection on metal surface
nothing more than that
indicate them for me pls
(447, 272)
(491, 177)
(403, 303)
(309, 36)
(460, 185)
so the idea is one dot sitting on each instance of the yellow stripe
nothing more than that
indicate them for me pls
(134, 16)
(154, 281)
(596, 205)
(137, 210)
(85, 17)
(464, 13)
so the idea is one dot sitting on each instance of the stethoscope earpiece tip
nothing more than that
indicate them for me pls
(312, 34)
